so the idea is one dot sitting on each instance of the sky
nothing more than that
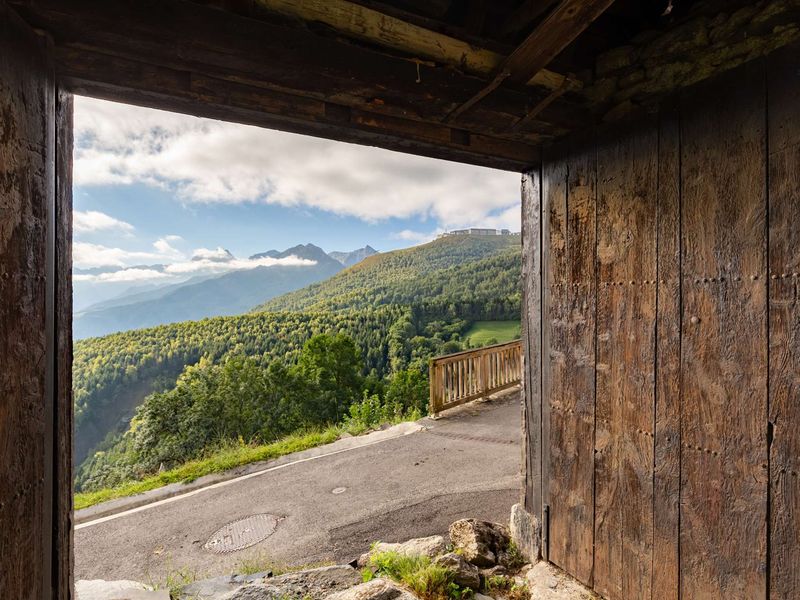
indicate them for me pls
(159, 188)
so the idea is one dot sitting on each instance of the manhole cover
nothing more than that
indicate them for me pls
(339, 490)
(241, 534)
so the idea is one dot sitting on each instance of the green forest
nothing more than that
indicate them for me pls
(349, 350)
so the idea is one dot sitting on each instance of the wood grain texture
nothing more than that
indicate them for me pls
(724, 345)
(554, 275)
(531, 338)
(26, 200)
(572, 347)
(667, 451)
(784, 323)
(626, 313)
(63, 525)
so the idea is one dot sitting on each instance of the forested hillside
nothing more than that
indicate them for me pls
(451, 270)
(398, 309)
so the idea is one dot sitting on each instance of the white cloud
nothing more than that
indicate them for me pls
(92, 220)
(415, 236)
(86, 255)
(217, 254)
(163, 246)
(213, 266)
(124, 275)
(209, 161)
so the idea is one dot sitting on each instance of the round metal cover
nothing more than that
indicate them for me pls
(242, 533)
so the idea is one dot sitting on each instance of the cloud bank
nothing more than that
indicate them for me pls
(205, 161)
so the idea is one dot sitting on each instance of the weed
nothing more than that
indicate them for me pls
(500, 585)
(514, 558)
(427, 580)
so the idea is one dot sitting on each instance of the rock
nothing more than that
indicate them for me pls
(479, 541)
(482, 597)
(97, 589)
(525, 532)
(313, 584)
(427, 546)
(495, 571)
(377, 589)
(210, 589)
(547, 582)
(465, 574)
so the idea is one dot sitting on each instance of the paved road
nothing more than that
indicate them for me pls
(467, 464)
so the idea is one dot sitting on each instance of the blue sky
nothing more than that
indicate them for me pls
(153, 187)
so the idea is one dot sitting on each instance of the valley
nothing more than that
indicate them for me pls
(349, 351)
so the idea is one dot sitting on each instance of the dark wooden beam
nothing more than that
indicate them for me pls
(544, 43)
(557, 31)
(121, 79)
(191, 37)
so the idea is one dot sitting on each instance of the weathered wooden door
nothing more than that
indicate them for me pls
(35, 405)
(666, 459)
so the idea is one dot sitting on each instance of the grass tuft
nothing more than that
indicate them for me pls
(427, 580)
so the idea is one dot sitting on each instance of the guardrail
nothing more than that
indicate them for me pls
(472, 374)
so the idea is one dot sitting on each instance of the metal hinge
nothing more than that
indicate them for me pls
(546, 532)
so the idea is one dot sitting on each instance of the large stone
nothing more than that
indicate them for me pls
(525, 532)
(211, 589)
(547, 582)
(464, 573)
(97, 589)
(377, 589)
(479, 541)
(428, 546)
(313, 584)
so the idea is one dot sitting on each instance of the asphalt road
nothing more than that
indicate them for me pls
(463, 465)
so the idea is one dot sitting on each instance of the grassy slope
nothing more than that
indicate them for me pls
(482, 331)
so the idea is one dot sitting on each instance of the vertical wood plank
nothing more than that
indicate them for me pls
(27, 380)
(554, 275)
(531, 339)
(573, 343)
(784, 322)
(63, 326)
(724, 345)
(626, 311)
(666, 475)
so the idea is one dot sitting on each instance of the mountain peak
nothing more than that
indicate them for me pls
(348, 259)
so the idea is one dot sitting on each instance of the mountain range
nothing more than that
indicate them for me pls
(202, 296)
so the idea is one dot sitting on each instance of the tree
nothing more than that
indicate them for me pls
(410, 389)
(331, 363)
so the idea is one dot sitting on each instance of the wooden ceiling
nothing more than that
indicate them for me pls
(478, 81)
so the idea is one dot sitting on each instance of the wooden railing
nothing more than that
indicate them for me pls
(464, 376)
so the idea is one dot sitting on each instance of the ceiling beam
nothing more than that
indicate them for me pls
(120, 79)
(367, 24)
(557, 31)
(188, 36)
